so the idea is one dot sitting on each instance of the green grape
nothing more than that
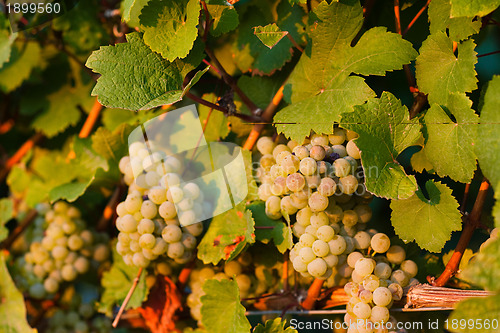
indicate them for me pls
(160, 246)
(339, 150)
(308, 166)
(265, 145)
(101, 253)
(175, 250)
(362, 310)
(148, 209)
(364, 213)
(371, 282)
(232, 268)
(277, 171)
(133, 203)
(139, 260)
(320, 248)
(380, 243)
(410, 268)
(126, 223)
(244, 282)
(70, 258)
(273, 207)
(290, 164)
(171, 180)
(297, 201)
(338, 136)
(148, 241)
(325, 233)
(319, 219)
(267, 161)
(353, 150)
(313, 181)
(68, 272)
(295, 182)
(342, 167)
(189, 241)
(337, 245)
(59, 252)
(134, 245)
(278, 149)
(298, 230)
(157, 195)
(299, 265)
(331, 260)
(81, 265)
(301, 152)
(194, 229)
(396, 254)
(382, 296)
(292, 144)
(75, 242)
(317, 267)
(365, 296)
(278, 187)
(320, 140)
(396, 291)
(400, 277)
(287, 206)
(312, 230)
(334, 212)
(304, 216)
(353, 257)
(348, 184)
(383, 271)
(350, 135)
(191, 190)
(349, 218)
(167, 210)
(318, 202)
(327, 187)
(39, 271)
(152, 179)
(264, 191)
(318, 153)
(172, 234)
(362, 240)
(379, 314)
(37, 291)
(146, 226)
(306, 240)
(364, 266)
(175, 194)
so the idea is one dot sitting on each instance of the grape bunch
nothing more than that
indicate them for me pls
(61, 249)
(317, 183)
(161, 212)
(376, 283)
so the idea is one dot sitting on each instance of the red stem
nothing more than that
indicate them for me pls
(420, 12)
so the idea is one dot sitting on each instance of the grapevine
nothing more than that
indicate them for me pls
(250, 166)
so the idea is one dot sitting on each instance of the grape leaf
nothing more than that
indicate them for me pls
(419, 162)
(274, 326)
(131, 9)
(429, 222)
(23, 58)
(112, 145)
(384, 132)
(12, 307)
(270, 34)
(459, 28)
(227, 235)
(224, 16)
(320, 87)
(488, 145)
(6, 40)
(6, 213)
(439, 72)
(116, 283)
(280, 233)
(450, 140)
(62, 109)
(217, 126)
(484, 271)
(221, 309)
(478, 310)
(473, 8)
(135, 78)
(170, 26)
(496, 208)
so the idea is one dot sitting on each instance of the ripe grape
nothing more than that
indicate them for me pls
(409, 267)
(318, 202)
(382, 296)
(364, 266)
(396, 254)
(265, 145)
(380, 243)
(317, 267)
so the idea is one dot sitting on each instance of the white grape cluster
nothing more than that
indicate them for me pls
(65, 250)
(78, 319)
(377, 282)
(158, 203)
(318, 183)
(493, 237)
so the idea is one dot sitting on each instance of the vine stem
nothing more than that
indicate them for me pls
(267, 116)
(28, 219)
(471, 223)
(91, 120)
(464, 199)
(312, 294)
(420, 12)
(19, 154)
(127, 298)
(110, 208)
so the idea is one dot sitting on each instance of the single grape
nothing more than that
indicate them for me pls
(342, 167)
(317, 267)
(339, 150)
(175, 250)
(338, 136)
(319, 219)
(325, 233)
(317, 153)
(147, 241)
(348, 184)
(364, 213)
(265, 145)
(365, 296)
(287, 206)
(371, 282)
(307, 240)
(295, 182)
(139, 260)
(175, 193)
(157, 195)
(308, 166)
(299, 265)
(379, 314)
(172, 234)
(353, 257)
(320, 248)
(396, 254)
(362, 310)
(396, 291)
(280, 148)
(194, 229)
(68, 272)
(331, 260)
(318, 202)
(327, 187)
(383, 271)
(244, 282)
(81, 265)
(353, 150)
(313, 181)
(382, 296)
(167, 210)
(267, 161)
(75, 242)
(337, 245)
(364, 266)
(301, 152)
(349, 218)
(410, 268)
(400, 277)
(232, 268)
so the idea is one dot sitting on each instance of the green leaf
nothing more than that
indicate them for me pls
(452, 141)
(134, 77)
(12, 307)
(478, 310)
(62, 109)
(459, 28)
(6, 40)
(227, 235)
(117, 282)
(484, 271)
(221, 309)
(385, 130)
(111, 145)
(260, 89)
(70, 191)
(280, 233)
(270, 34)
(6, 213)
(170, 27)
(322, 81)
(23, 58)
(274, 326)
(473, 8)
(224, 16)
(131, 9)
(439, 72)
(217, 126)
(419, 162)
(496, 208)
(429, 222)
(488, 145)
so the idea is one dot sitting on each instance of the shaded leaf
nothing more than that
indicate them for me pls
(458, 28)
(23, 58)
(429, 222)
(473, 8)
(384, 132)
(274, 326)
(224, 16)
(484, 270)
(479, 310)
(6, 213)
